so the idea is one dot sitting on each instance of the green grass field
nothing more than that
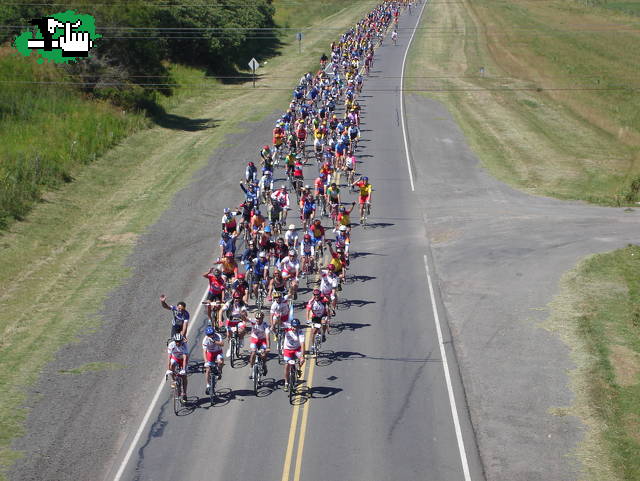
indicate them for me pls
(598, 314)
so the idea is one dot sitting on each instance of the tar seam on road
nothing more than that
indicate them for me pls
(151, 407)
(445, 366)
(404, 128)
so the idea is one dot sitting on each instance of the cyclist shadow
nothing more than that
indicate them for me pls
(359, 278)
(355, 255)
(304, 393)
(346, 304)
(376, 225)
(328, 357)
(340, 327)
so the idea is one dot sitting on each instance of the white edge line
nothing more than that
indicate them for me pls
(151, 407)
(404, 129)
(445, 366)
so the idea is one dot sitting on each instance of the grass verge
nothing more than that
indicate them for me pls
(597, 313)
(58, 265)
(544, 92)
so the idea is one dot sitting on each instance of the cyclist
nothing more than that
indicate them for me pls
(344, 217)
(228, 266)
(260, 269)
(259, 340)
(279, 251)
(279, 310)
(281, 196)
(257, 223)
(290, 266)
(292, 348)
(329, 283)
(229, 224)
(394, 37)
(290, 162)
(318, 313)
(277, 283)
(308, 210)
(266, 184)
(180, 322)
(333, 199)
(316, 231)
(216, 288)
(365, 193)
(343, 239)
(249, 254)
(228, 243)
(291, 237)
(241, 286)
(212, 345)
(298, 175)
(251, 196)
(251, 173)
(264, 239)
(236, 312)
(306, 252)
(178, 361)
(266, 158)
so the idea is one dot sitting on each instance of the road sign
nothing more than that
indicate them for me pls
(254, 64)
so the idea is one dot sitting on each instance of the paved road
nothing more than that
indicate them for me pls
(377, 406)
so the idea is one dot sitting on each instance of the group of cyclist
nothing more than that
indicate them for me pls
(325, 108)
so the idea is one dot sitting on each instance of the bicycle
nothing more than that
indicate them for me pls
(279, 335)
(176, 386)
(317, 341)
(234, 344)
(364, 216)
(319, 254)
(321, 203)
(213, 378)
(293, 379)
(262, 295)
(258, 370)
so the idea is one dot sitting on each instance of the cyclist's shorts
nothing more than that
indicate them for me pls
(364, 199)
(307, 215)
(317, 319)
(258, 344)
(291, 354)
(231, 323)
(214, 296)
(315, 240)
(178, 362)
(212, 357)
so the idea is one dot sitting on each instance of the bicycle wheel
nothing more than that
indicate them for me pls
(232, 357)
(279, 346)
(177, 398)
(256, 374)
(316, 347)
(293, 381)
(213, 371)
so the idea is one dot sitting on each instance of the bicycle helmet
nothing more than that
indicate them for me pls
(307, 187)
(177, 337)
(342, 211)
(342, 228)
(262, 254)
(331, 267)
(366, 179)
(260, 315)
(240, 276)
(209, 331)
(316, 292)
(267, 229)
(227, 210)
(277, 295)
(250, 164)
(216, 272)
(307, 237)
(266, 147)
(283, 187)
(229, 254)
(292, 227)
(236, 295)
(292, 253)
(295, 323)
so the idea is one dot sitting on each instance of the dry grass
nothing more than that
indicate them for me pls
(577, 144)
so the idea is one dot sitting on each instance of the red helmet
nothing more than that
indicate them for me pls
(266, 147)
(240, 276)
(316, 292)
(236, 295)
(307, 237)
(250, 164)
(229, 254)
(331, 267)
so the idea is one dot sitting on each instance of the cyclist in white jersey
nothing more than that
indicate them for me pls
(259, 340)
(329, 283)
(212, 345)
(178, 361)
(293, 348)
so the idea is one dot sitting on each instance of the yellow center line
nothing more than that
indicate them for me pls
(303, 424)
(293, 429)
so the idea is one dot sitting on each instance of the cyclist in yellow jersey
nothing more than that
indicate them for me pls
(365, 192)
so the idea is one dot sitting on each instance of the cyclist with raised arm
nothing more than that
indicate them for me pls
(329, 283)
(365, 193)
(260, 341)
(216, 289)
(212, 345)
(178, 361)
(180, 322)
(293, 348)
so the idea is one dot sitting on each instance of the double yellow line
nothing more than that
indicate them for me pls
(300, 433)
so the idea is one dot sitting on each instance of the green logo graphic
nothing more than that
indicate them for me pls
(60, 38)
